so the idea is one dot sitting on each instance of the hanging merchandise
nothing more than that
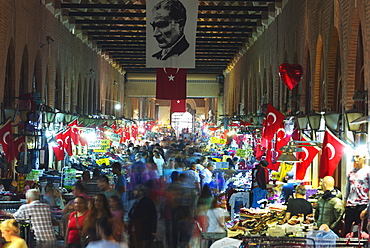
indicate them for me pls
(290, 74)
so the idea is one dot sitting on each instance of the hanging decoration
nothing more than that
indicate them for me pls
(290, 74)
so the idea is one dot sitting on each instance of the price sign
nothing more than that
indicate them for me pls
(214, 140)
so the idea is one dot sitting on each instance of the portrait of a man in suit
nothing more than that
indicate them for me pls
(169, 18)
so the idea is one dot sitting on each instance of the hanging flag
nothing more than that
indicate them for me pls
(332, 152)
(178, 106)
(282, 138)
(305, 158)
(114, 125)
(19, 145)
(68, 141)
(171, 31)
(6, 141)
(73, 123)
(273, 121)
(171, 84)
(59, 149)
(272, 156)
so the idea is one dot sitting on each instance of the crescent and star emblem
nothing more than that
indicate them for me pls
(277, 134)
(273, 115)
(171, 77)
(5, 136)
(306, 153)
(332, 150)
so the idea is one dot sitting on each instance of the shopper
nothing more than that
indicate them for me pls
(260, 179)
(216, 218)
(143, 219)
(40, 217)
(120, 182)
(99, 210)
(330, 207)
(103, 184)
(10, 232)
(76, 223)
(118, 213)
(92, 185)
(105, 230)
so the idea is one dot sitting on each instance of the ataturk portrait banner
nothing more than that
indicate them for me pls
(171, 27)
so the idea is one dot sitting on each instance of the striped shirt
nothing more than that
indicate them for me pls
(40, 216)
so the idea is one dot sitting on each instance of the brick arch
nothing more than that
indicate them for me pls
(333, 94)
(66, 90)
(37, 74)
(9, 83)
(305, 84)
(24, 74)
(317, 83)
(351, 62)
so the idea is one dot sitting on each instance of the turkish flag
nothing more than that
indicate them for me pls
(272, 156)
(273, 121)
(73, 123)
(18, 146)
(6, 141)
(114, 125)
(305, 158)
(332, 152)
(282, 138)
(68, 141)
(59, 149)
(178, 106)
(75, 132)
(171, 84)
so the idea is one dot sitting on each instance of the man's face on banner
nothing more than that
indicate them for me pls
(165, 30)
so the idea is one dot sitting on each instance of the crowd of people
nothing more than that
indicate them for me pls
(167, 193)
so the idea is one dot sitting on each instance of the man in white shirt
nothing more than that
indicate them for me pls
(159, 161)
(207, 174)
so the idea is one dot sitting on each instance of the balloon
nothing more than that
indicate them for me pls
(290, 74)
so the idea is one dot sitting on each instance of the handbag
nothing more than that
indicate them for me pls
(83, 239)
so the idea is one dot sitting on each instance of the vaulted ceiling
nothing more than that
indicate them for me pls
(117, 29)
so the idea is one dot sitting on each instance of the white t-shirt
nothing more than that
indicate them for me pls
(159, 162)
(215, 218)
(106, 243)
(207, 176)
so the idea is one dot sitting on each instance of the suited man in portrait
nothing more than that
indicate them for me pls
(169, 18)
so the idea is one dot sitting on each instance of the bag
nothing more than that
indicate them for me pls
(157, 244)
(84, 240)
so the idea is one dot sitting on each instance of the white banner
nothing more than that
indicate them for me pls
(171, 27)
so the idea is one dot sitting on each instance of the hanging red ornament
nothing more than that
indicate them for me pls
(290, 74)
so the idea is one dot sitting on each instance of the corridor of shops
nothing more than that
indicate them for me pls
(184, 123)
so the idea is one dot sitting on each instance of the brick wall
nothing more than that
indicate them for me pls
(315, 27)
(61, 59)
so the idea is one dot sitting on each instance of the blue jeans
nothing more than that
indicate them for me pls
(258, 194)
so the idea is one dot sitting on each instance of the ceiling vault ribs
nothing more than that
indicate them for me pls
(225, 29)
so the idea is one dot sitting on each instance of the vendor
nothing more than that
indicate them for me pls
(297, 205)
(260, 179)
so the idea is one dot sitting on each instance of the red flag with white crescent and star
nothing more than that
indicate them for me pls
(59, 149)
(282, 138)
(6, 140)
(332, 152)
(305, 158)
(171, 84)
(178, 106)
(19, 146)
(273, 121)
(68, 141)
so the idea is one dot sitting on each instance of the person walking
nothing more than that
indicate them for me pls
(10, 232)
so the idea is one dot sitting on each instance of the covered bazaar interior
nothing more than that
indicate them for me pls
(282, 81)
